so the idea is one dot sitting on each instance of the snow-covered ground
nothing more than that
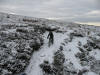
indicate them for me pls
(19, 34)
(71, 49)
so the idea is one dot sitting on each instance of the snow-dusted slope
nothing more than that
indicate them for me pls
(23, 42)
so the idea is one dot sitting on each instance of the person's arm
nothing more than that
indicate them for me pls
(48, 36)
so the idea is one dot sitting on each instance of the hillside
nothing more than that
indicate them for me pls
(24, 47)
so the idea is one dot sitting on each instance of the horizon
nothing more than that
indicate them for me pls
(93, 24)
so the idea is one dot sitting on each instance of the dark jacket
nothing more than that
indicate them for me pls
(50, 35)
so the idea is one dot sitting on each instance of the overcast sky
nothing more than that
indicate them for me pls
(82, 11)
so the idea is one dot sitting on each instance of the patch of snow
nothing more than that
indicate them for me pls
(71, 49)
(96, 54)
(91, 73)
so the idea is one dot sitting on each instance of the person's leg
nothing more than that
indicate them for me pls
(52, 40)
(49, 42)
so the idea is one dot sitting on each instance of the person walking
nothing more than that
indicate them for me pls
(51, 38)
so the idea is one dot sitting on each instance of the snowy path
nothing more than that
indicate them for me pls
(45, 53)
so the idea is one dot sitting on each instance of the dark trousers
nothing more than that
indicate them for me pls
(51, 41)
